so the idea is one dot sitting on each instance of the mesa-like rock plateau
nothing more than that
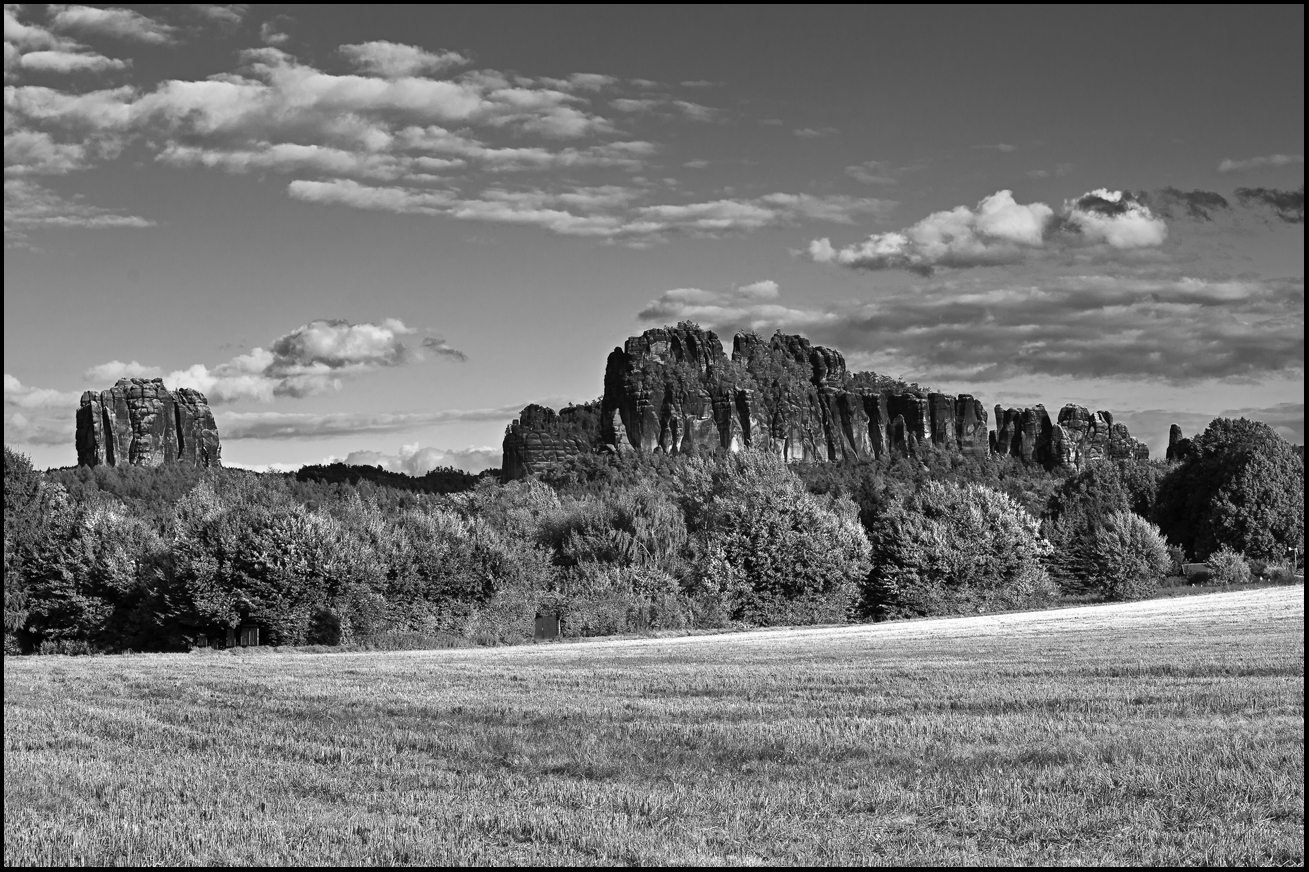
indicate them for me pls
(675, 390)
(139, 422)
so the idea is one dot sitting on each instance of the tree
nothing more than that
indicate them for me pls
(1241, 486)
(765, 549)
(1127, 557)
(955, 549)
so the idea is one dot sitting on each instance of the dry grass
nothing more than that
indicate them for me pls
(1169, 732)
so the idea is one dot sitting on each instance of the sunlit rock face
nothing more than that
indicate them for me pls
(139, 422)
(675, 390)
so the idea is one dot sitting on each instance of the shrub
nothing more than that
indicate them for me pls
(1128, 558)
(955, 549)
(1228, 567)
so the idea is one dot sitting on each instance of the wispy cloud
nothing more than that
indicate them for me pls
(115, 23)
(394, 60)
(1255, 163)
(299, 425)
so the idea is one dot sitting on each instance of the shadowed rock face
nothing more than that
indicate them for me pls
(674, 389)
(540, 438)
(1078, 438)
(139, 422)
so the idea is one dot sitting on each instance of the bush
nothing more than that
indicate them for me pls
(1228, 567)
(955, 549)
(1128, 558)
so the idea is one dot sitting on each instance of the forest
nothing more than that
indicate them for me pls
(100, 559)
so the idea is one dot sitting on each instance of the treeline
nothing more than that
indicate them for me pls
(167, 559)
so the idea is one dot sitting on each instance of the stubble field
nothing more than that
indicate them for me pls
(1170, 731)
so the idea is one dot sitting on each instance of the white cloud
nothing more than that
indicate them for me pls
(27, 397)
(393, 60)
(1272, 160)
(115, 23)
(115, 369)
(70, 62)
(416, 461)
(999, 230)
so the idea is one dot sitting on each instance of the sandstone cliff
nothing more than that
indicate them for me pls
(675, 390)
(139, 422)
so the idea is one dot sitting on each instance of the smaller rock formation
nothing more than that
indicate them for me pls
(1078, 438)
(139, 422)
(1179, 447)
(540, 439)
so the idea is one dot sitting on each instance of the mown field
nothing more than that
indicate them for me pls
(1163, 732)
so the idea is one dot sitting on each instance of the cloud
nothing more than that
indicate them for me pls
(295, 425)
(1253, 163)
(116, 369)
(314, 358)
(609, 212)
(815, 132)
(1116, 218)
(22, 429)
(70, 62)
(871, 172)
(1004, 147)
(1180, 331)
(30, 206)
(749, 307)
(27, 397)
(271, 33)
(1173, 203)
(1287, 205)
(393, 60)
(441, 348)
(115, 23)
(416, 461)
(999, 230)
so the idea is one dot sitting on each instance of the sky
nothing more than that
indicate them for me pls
(374, 233)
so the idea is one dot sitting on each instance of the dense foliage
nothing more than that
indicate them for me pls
(956, 549)
(169, 558)
(1240, 486)
(1126, 557)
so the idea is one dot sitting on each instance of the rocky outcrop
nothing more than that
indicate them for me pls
(1077, 438)
(539, 438)
(139, 422)
(675, 390)
(1179, 447)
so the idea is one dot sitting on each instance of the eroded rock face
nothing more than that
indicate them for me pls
(1078, 438)
(540, 438)
(1179, 447)
(139, 422)
(675, 390)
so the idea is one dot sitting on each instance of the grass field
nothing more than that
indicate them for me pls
(1163, 732)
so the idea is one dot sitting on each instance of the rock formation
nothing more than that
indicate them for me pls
(674, 389)
(139, 422)
(1079, 437)
(539, 438)
(1178, 446)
